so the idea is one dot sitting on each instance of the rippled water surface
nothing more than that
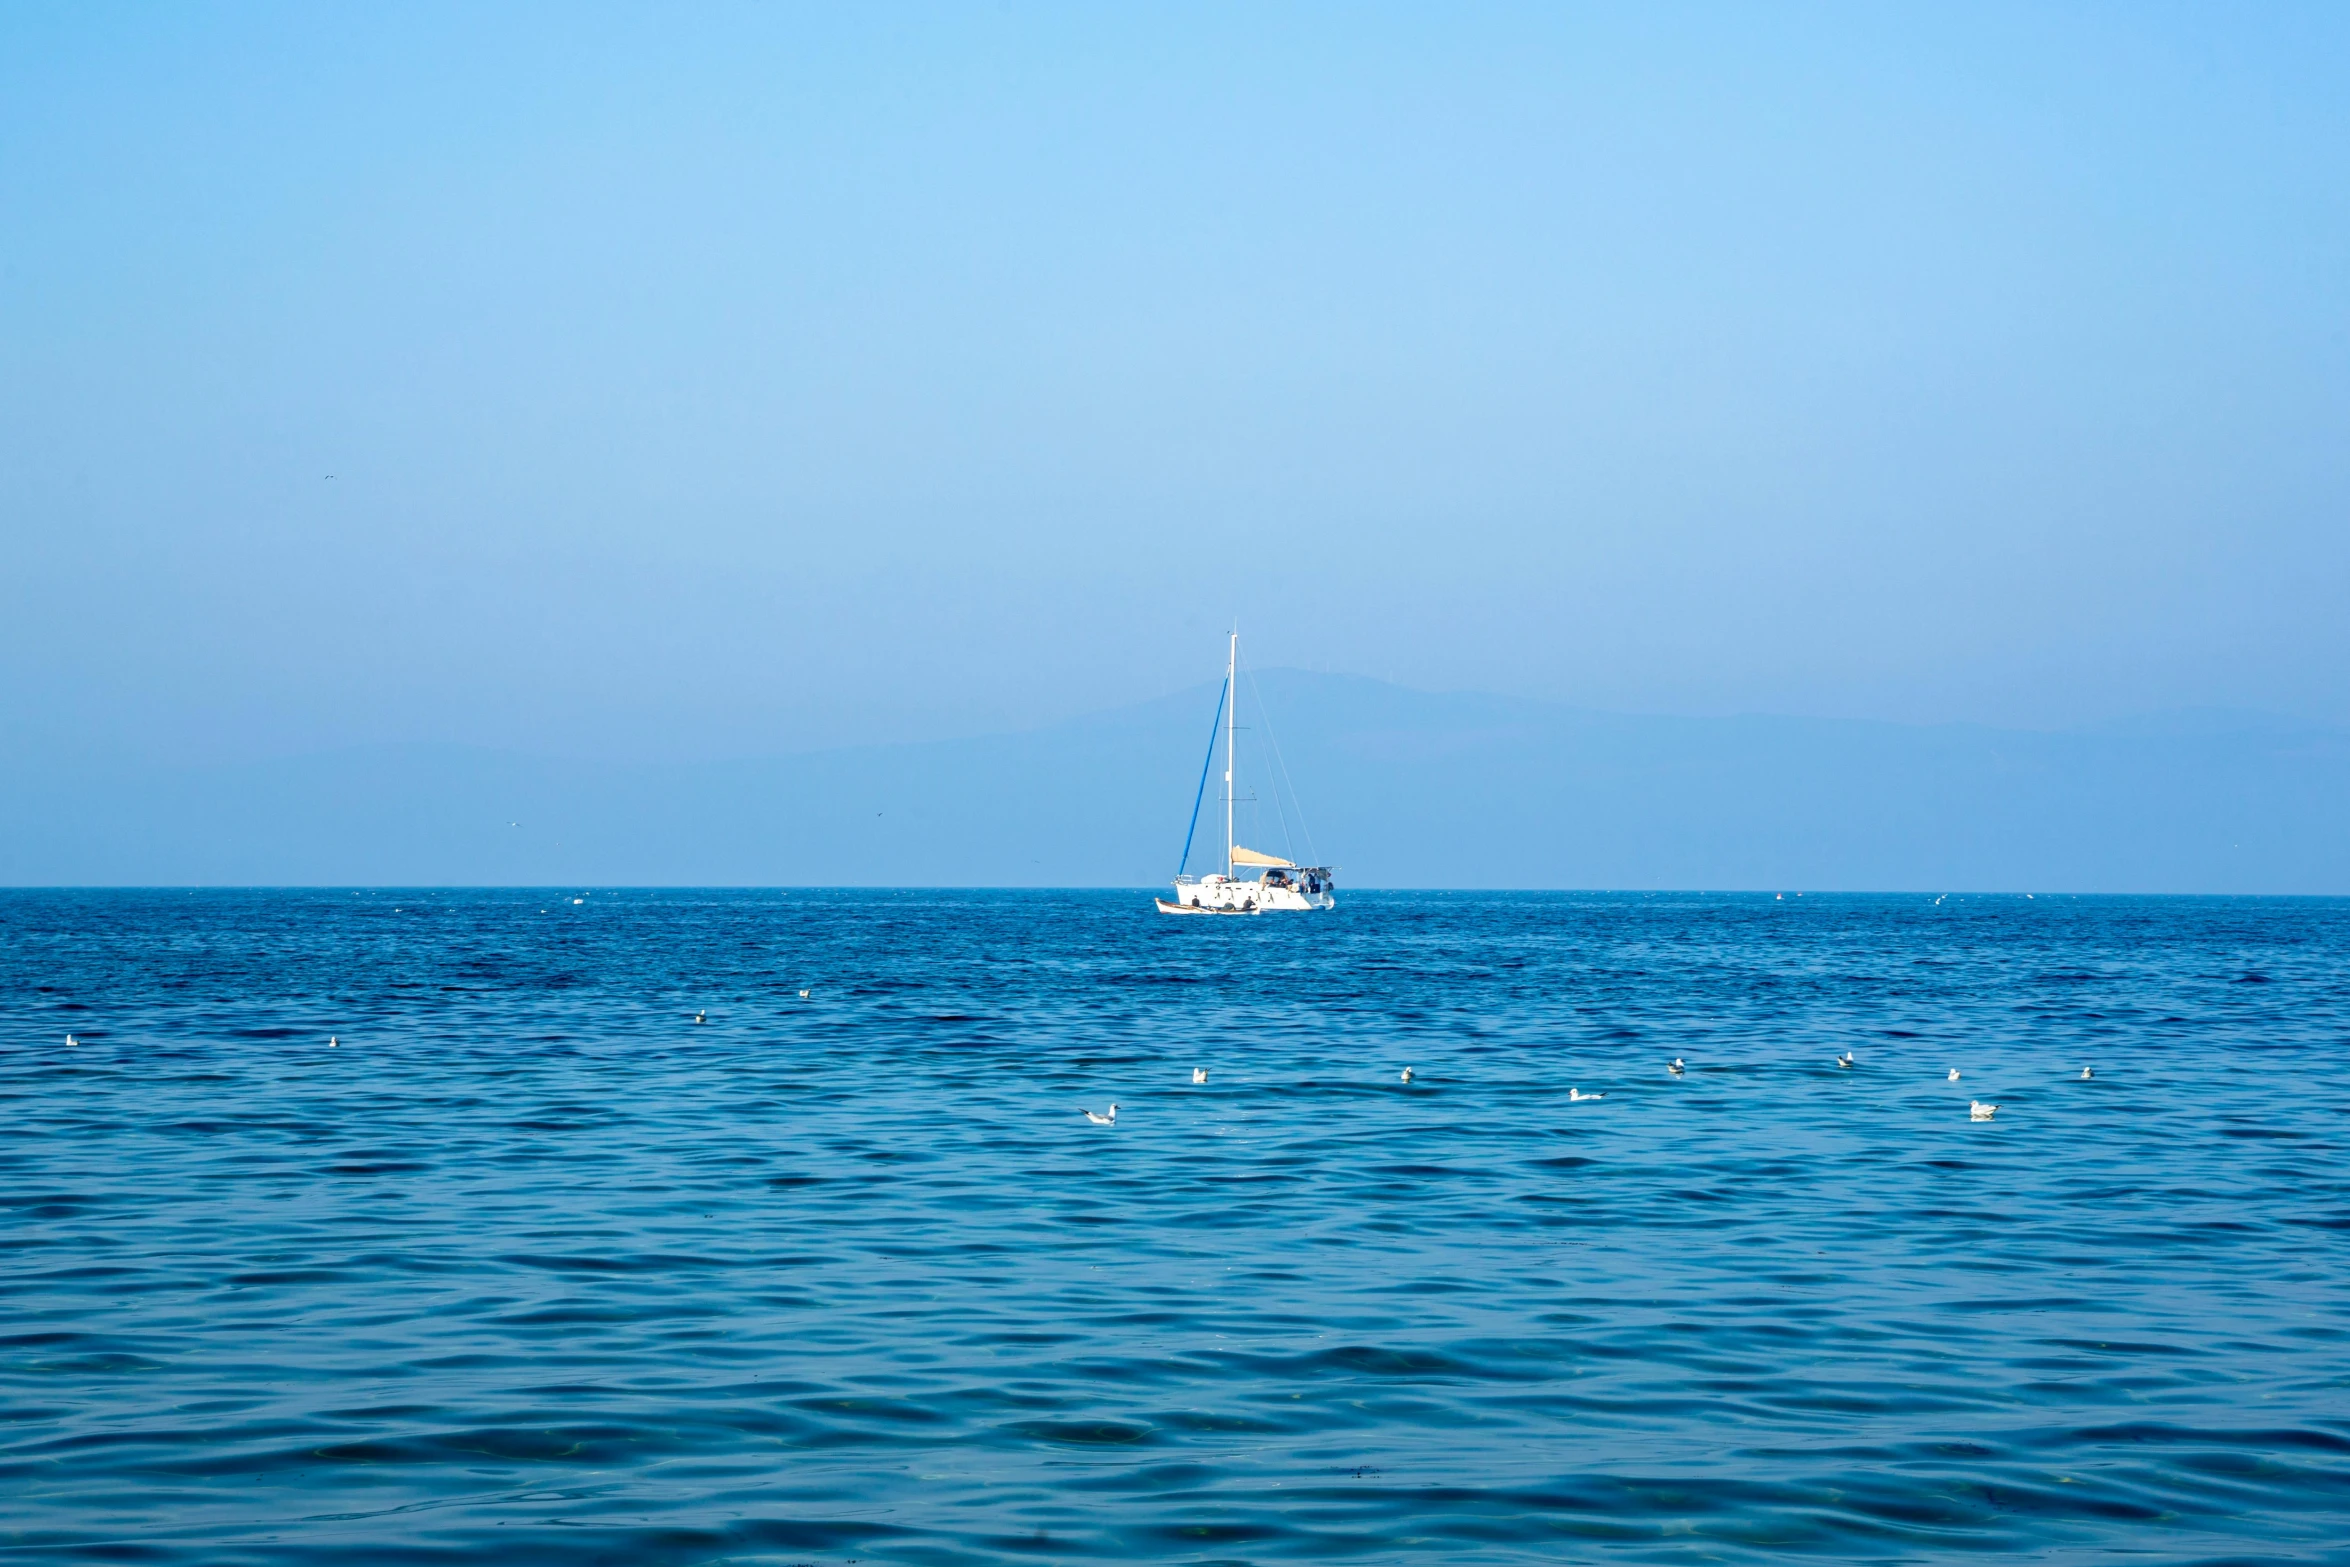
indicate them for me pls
(533, 1264)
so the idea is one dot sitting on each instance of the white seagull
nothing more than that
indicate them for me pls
(1844, 1059)
(700, 1017)
(1103, 1120)
(1675, 1067)
(1976, 1110)
(2084, 1074)
(73, 1042)
(330, 1042)
(1577, 1096)
(1954, 1074)
(1407, 1074)
(1199, 1074)
(803, 995)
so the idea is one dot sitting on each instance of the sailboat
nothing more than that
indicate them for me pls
(1280, 886)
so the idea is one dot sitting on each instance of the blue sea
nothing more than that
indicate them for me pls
(532, 1265)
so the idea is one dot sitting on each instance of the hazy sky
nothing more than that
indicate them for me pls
(719, 380)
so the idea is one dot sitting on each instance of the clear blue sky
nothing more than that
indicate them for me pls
(724, 379)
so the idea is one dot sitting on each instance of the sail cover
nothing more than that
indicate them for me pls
(1242, 856)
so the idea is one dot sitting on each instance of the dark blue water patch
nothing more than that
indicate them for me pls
(534, 1266)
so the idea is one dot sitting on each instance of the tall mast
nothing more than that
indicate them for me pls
(1231, 724)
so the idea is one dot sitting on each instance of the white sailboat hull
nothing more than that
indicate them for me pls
(1223, 895)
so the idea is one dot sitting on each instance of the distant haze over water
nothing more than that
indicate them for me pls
(1397, 788)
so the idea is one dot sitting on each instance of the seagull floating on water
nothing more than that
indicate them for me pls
(1954, 1074)
(803, 995)
(1976, 1110)
(330, 1042)
(1844, 1059)
(1199, 1074)
(2084, 1074)
(1407, 1074)
(76, 1044)
(701, 1017)
(1577, 1096)
(1675, 1067)
(1110, 1119)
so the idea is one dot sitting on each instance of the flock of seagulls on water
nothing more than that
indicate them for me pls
(1977, 1109)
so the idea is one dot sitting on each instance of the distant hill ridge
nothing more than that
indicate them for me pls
(1401, 788)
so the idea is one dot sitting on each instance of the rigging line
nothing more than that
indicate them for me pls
(1280, 811)
(1282, 762)
(1213, 725)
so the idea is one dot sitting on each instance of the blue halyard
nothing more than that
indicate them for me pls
(1203, 777)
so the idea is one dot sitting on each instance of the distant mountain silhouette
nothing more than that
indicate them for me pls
(1401, 788)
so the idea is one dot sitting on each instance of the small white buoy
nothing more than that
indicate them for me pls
(1407, 1074)
(1675, 1067)
(1110, 1119)
(1199, 1074)
(803, 995)
(1954, 1074)
(1577, 1096)
(579, 900)
(1978, 1111)
(2084, 1074)
(1844, 1059)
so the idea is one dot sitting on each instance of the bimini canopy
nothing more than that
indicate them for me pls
(1252, 857)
